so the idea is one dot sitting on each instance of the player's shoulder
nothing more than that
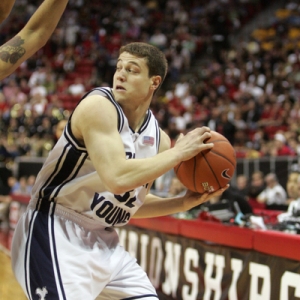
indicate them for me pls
(96, 100)
(165, 141)
(94, 110)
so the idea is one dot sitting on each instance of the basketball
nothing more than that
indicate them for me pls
(211, 169)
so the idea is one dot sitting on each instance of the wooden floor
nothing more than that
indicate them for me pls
(9, 287)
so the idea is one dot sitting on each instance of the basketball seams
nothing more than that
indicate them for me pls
(194, 173)
(221, 155)
(177, 167)
(218, 140)
(216, 177)
(218, 153)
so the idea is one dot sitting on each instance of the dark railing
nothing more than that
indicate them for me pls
(281, 166)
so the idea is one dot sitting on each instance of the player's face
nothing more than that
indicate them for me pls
(131, 80)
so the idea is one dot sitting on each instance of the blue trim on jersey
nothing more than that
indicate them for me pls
(26, 255)
(68, 171)
(141, 297)
(55, 253)
(38, 255)
(146, 122)
(157, 136)
(41, 191)
(68, 134)
(110, 96)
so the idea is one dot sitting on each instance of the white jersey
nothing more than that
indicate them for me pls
(69, 178)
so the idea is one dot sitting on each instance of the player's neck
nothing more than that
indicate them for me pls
(136, 118)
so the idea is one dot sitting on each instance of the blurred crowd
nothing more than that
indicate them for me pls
(81, 55)
(249, 91)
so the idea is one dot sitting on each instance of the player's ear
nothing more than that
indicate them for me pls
(155, 82)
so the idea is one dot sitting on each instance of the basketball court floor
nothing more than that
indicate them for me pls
(9, 287)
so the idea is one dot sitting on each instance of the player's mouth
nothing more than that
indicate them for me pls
(120, 88)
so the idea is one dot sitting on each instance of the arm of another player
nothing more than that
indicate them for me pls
(95, 123)
(5, 8)
(156, 206)
(32, 37)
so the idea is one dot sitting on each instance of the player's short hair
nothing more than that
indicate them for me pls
(156, 60)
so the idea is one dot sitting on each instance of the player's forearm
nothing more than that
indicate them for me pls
(156, 207)
(5, 8)
(43, 22)
(133, 173)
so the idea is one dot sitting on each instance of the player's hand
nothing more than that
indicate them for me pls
(192, 199)
(193, 142)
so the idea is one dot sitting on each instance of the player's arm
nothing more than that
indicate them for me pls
(156, 206)
(95, 122)
(5, 8)
(32, 37)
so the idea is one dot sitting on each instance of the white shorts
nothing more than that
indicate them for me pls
(68, 256)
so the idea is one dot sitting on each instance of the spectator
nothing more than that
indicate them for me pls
(292, 183)
(274, 195)
(20, 187)
(242, 185)
(294, 205)
(158, 39)
(281, 149)
(77, 88)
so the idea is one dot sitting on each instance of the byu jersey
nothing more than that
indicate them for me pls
(69, 178)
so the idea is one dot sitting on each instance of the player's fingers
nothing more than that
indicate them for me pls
(200, 131)
(205, 146)
(205, 136)
(204, 129)
(219, 191)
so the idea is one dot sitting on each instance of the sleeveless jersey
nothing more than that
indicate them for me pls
(69, 178)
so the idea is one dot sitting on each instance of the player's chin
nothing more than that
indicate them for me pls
(120, 96)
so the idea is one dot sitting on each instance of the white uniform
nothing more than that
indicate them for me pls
(65, 246)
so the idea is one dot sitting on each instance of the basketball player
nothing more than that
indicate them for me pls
(32, 37)
(96, 178)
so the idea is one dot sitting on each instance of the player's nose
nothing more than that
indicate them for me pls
(120, 75)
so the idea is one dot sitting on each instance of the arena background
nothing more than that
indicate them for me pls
(233, 66)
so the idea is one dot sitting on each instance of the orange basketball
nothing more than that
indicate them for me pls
(211, 169)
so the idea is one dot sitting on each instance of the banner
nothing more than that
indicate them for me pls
(189, 269)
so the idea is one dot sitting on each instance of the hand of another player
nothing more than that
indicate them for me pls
(192, 143)
(192, 199)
